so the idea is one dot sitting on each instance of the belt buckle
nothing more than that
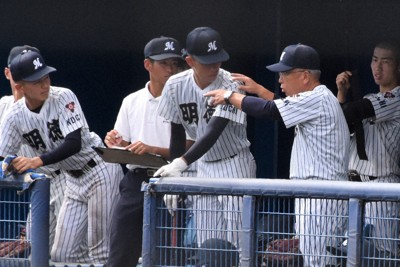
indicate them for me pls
(150, 172)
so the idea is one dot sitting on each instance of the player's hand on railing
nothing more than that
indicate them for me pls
(174, 169)
(171, 202)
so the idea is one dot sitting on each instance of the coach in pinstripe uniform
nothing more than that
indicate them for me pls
(220, 133)
(50, 121)
(321, 144)
(379, 117)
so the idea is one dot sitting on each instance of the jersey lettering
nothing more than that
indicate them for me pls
(74, 119)
(54, 130)
(209, 112)
(230, 109)
(34, 139)
(189, 112)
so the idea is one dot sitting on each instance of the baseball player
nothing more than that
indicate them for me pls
(50, 121)
(57, 185)
(379, 117)
(220, 133)
(139, 129)
(320, 147)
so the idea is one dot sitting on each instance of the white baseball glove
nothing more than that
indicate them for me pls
(174, 169)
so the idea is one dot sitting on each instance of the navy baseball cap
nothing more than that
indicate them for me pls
(16, 50)
(162, 48)
(29, 66)
(205, 45)
(297, 56)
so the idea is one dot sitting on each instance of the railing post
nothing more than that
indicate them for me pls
(149, 228)
(247, 233)
(355, 233)
(40, 201)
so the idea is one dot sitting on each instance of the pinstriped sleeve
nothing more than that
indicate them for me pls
(386, 105)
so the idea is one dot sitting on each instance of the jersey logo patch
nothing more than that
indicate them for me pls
(189, 112)
(389, 95)
(71, 106)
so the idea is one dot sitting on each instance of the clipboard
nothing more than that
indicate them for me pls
(118, 155)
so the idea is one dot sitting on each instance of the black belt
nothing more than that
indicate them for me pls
(217, 160)
(354, 176)
(85, 169)
(144, 171)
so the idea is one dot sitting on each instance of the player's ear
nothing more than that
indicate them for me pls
(7, 73)
(19, 86)
(147, 64)
(189, 61)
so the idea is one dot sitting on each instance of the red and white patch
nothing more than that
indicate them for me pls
(70, 106)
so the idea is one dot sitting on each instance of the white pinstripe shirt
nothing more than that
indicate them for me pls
(182, 102)
(321, 144)
(44, 131)
(382, 137)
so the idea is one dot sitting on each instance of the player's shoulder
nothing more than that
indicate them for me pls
(137, 95)
(6, 100)
(57, 90)
(180, 76)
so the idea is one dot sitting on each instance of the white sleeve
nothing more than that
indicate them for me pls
(71, 116)
(300, 108)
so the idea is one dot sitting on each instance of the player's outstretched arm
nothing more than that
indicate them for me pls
(217, 98)
(250, 86)
(198, 149)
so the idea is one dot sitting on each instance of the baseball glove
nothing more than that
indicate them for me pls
(283, 252)
(16, 248)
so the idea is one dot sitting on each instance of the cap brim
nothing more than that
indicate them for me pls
(279, 67)
(164, 56)
(221, 56)
(40, 74)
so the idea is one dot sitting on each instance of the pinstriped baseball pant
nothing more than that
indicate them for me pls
(220, 216)
(83, 226)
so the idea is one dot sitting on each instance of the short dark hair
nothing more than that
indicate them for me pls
(392, 45)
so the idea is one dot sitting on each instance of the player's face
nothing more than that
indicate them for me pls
(161, 70)
(292, 81)
(384, 68)
(204, 74)
(36, 92)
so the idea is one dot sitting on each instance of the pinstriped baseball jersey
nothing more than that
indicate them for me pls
(5, 104)
(321, 144)
(183, 102)
(382, 137)
(61, 113)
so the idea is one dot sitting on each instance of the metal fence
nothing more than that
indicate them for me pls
(14, 247)
(18, 250)
(270, 222)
